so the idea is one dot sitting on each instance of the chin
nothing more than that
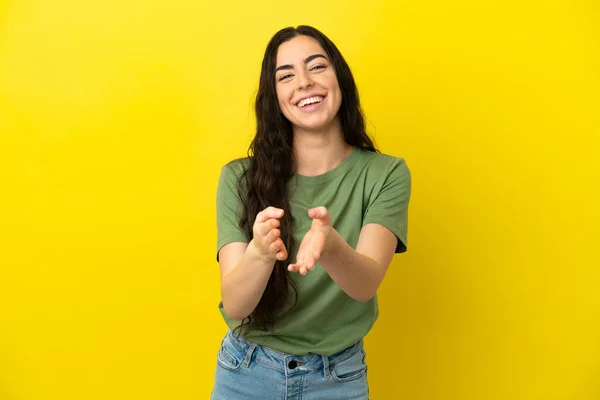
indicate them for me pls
(312, 127)
(317, 125)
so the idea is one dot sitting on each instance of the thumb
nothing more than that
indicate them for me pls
(318, 212)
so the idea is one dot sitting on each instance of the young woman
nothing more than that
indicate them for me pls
(307, 224)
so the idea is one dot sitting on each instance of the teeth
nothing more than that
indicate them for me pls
(310, 100)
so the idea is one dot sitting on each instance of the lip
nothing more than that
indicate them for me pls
(313, 107)
(308, 97)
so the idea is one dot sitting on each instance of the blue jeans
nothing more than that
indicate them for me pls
(248, 371)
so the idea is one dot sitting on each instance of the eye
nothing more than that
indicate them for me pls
(317, 67)
(284, 77)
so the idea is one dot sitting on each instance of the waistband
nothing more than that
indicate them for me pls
(288, 363)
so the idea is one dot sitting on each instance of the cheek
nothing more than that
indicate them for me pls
(337, 88)
(281, 99)
(337, 98)
(284, 104)
(334, 88)
(339, 94)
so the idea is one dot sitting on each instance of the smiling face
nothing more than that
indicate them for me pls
(307, 88)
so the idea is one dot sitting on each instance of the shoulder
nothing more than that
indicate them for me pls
(233, 170)
(384, 165)
(238, 165)
(230, 177)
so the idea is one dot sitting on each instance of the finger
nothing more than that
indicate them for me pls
(273, 235)
(310, 263)
(282, 253)
(268, 213)
(318, 212)
(263, 228)
(306, 255)
(276, 245)
(293, 267)
(301, 255)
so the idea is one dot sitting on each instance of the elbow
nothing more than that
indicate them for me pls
(237, 318)
(364, 297)
(234, 313)
(366, 291)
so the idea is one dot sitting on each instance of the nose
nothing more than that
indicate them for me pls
(304, 81)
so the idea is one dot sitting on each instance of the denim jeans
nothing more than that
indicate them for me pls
(248, 371)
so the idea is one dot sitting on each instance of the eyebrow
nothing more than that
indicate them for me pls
(306, 61)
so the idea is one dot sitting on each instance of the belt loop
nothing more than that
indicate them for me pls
(326, 366)
(248, 356)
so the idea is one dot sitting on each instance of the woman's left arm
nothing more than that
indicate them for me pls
(358, 272)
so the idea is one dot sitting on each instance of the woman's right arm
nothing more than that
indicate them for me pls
(246, 267)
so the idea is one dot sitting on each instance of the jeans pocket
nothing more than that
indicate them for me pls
(350, 369)
(230, 355)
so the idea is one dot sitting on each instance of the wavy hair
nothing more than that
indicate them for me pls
(272, 165)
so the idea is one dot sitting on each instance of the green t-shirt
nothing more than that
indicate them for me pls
(365, 188)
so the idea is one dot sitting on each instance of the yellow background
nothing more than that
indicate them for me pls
(116, 116)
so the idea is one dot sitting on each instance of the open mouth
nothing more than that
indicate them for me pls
(310, 101)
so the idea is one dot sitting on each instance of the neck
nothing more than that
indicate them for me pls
(320, 151)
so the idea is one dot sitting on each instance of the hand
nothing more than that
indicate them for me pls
(314, 242)
(266, 235)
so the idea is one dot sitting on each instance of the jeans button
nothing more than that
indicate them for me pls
(292, 364)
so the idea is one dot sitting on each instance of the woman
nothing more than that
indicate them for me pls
(307, 224)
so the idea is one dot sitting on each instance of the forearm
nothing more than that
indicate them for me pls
(243, 287)
(359, 276)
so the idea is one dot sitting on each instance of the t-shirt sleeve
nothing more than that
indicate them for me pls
(229, 209)
(389, 203)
